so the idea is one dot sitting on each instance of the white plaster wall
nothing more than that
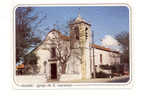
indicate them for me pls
(73, 70)
(43, 52)
(43, 56)
(106, 57)
(74, 62)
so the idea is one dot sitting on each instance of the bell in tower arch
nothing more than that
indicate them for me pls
(86, 33)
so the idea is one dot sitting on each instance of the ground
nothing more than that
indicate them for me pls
(122, 79)
(42, 80)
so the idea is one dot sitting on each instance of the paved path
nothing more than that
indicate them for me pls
(121, 79)
(41, 79)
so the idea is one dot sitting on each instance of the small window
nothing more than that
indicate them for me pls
(101, 58)
(86, 29)
(45, 63)
(53, 53)
(77, 32)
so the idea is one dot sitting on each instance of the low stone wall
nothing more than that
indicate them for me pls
(70, 77)
(30, 79)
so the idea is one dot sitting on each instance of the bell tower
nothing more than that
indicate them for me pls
(80, 39)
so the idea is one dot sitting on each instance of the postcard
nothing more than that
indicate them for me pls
(68, 46)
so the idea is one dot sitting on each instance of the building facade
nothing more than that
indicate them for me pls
(81, 57)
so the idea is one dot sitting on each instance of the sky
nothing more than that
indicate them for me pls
(105, 20)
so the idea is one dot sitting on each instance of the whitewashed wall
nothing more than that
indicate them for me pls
(109, 58)
(44, 54)
(74, 62)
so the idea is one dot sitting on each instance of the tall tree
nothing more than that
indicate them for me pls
(63, 50)
(62, 42)
(63, 53)
(123, 39)
(25, 37)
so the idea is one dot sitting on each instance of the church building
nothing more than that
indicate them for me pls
(73, 57)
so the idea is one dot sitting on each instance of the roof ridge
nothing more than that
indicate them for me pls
(103, 48)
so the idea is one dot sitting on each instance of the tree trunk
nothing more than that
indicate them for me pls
(63, 68)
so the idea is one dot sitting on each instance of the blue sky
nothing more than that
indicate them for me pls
(105, 20)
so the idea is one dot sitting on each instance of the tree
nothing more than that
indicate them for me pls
(63, 49)
(63, 53)
(30, 62)
(123, 39)
(25, 37)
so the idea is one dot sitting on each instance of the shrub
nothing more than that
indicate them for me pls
(105, 67)
(102, 75)
(118, 69)
(30, 62)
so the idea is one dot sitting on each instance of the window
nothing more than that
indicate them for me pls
(45, 63)
(53, 53)
(86, 29)
(77, 32)
(101, 58)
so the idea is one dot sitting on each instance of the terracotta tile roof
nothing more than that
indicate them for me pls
(20, 66)
(103, 48)
(67, 38)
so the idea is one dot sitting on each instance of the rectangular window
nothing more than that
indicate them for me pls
(53, 53)
(101, 58)
(77, 32)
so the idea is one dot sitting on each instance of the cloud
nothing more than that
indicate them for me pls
(110, 42)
